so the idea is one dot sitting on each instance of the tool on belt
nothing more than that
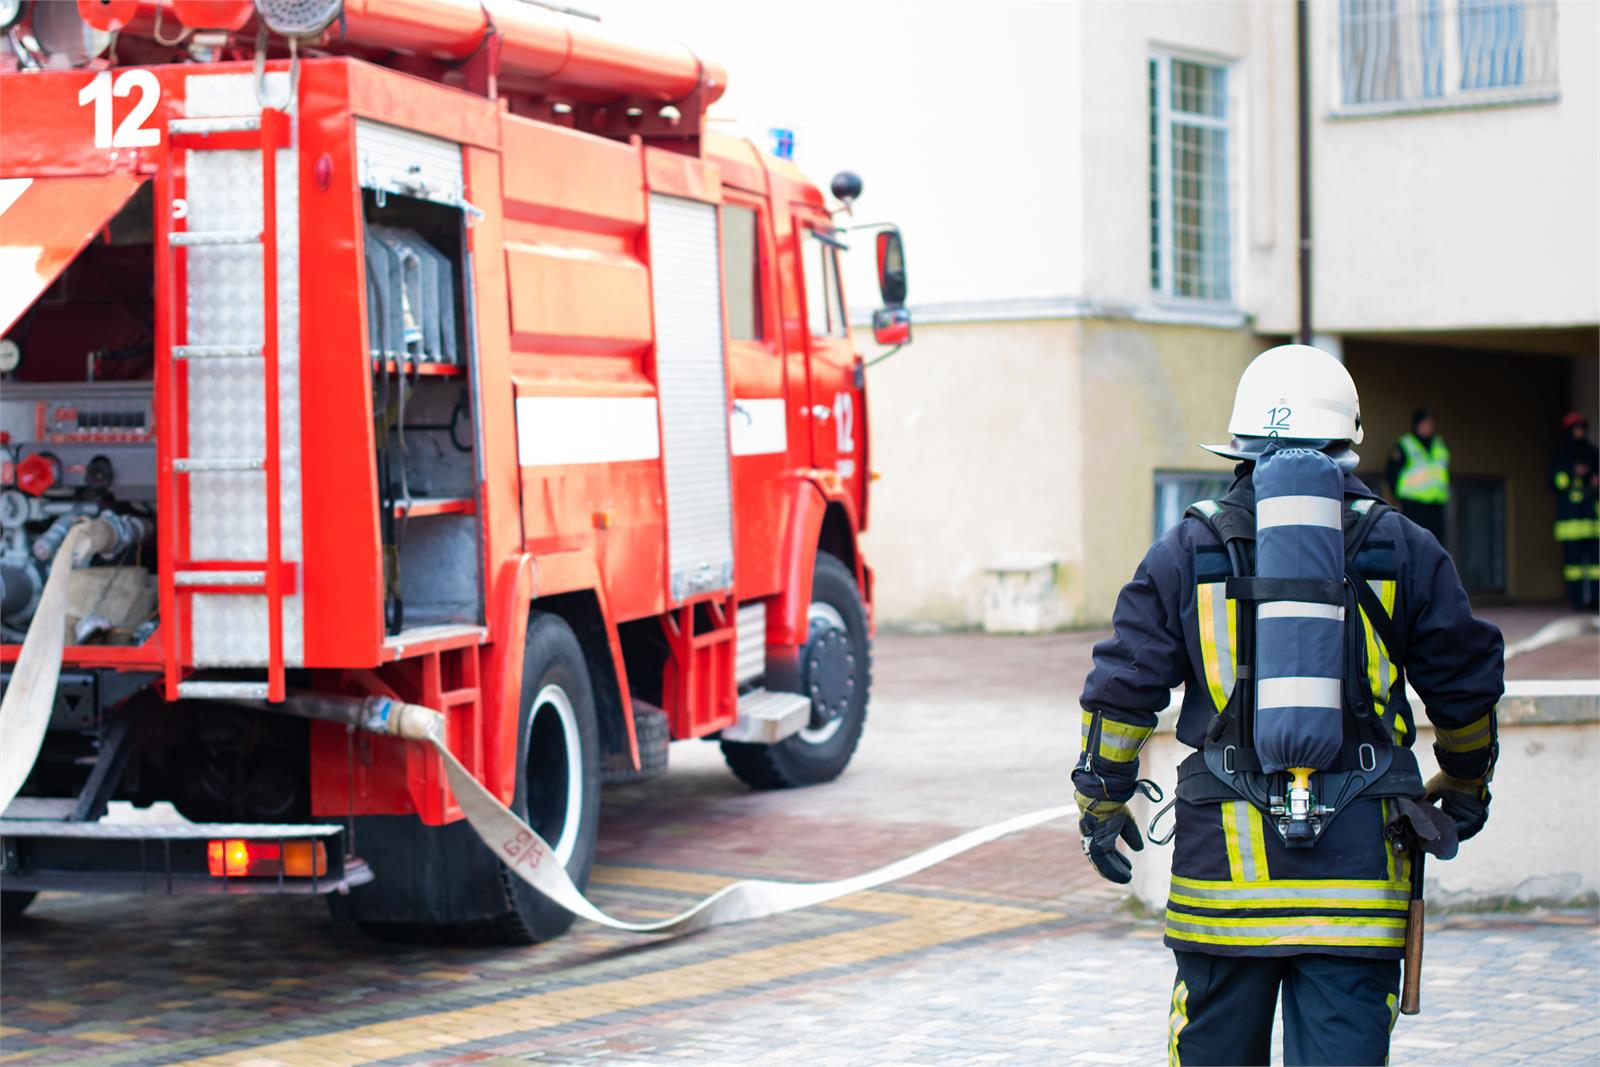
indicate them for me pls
(1416, 829)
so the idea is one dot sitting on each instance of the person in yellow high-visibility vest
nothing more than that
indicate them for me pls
(1575, 479)
(1419, 476)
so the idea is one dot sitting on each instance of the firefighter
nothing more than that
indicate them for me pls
(1419, 475)
(1574, 478)
(1247, 915)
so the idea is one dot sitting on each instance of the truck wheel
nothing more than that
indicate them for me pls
(836, 669)
(13, 902)
(558, 786)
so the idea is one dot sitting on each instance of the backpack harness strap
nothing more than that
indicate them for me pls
(1369, 763)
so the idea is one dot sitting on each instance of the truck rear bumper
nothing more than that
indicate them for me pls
(173, 857)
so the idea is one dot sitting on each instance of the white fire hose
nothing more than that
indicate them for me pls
(25, 710)
(533, 860)
(25, 714)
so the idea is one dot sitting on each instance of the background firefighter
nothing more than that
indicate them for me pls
(1574, 478)
(1247, 915)
(1418, 472)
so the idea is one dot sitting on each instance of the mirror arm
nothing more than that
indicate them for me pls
(875, 360)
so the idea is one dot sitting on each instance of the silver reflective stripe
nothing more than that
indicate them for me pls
(1326, 895)
(1298, 511)
(1226, 666)
(1289, 929)
(1300, 693)
(1240, 813)
(1299, 609)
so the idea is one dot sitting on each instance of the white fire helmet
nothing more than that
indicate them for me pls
(1294, 393)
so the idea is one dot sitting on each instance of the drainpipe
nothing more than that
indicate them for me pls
(1303, 131)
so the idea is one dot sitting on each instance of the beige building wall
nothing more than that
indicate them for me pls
(976, 438)
(1462, 217)
(1151, 395)
(999, 437)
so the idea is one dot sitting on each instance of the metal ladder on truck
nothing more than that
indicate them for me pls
(183, 578)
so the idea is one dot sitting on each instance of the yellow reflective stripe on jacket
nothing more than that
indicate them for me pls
(1574, 529)
(1119, 741)
(1381, 673)
(1217, 619)
(1334, 884)
(1468, 738)
(1245, 836)
(1267, 893)
(1344, 931)
(1580, 572)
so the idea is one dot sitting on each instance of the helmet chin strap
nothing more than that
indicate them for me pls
(1249, 449)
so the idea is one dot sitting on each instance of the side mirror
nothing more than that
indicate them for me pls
(891, 326)
(891, 268)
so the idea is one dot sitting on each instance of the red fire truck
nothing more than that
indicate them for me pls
(427, 348)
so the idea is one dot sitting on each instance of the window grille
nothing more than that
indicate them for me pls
(1190, 228)
(1394, 53)
(1176, 490)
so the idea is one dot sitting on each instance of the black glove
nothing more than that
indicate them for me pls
(1102, 823)
(1465, 800)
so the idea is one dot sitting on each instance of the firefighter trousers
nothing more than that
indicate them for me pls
(1336, 1009)
(1580, 570)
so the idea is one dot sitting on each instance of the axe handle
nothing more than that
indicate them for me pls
(1411, 986)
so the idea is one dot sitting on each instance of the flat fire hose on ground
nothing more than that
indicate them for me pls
(25, 713)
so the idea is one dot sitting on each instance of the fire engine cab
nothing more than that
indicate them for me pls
(433, 349)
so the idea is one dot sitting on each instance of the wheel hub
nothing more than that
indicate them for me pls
(830, 669)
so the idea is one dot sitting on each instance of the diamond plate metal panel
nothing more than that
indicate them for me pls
(224, 305)
(685, 278)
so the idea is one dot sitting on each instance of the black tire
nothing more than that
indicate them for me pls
(553, 666)
(817, 754)
(654, 735)
(13, 902)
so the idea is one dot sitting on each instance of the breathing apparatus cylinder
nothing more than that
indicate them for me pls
(1300, 656)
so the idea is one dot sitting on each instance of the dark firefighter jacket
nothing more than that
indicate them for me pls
(1573, 479)
(1236, 890)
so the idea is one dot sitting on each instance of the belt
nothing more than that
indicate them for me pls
(1197, 785)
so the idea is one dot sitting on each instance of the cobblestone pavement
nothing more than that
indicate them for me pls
(1012, 954)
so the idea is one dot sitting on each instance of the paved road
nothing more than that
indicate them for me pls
(1014, 954)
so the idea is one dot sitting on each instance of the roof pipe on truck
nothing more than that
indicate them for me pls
(541, 49)
(537, 45)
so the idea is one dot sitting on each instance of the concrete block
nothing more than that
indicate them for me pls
(1019, 594)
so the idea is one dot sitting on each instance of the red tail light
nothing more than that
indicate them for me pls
(266, 859)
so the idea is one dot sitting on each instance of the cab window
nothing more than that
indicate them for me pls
(824, 303)
(741, 272)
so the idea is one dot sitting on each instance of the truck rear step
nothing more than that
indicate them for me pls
(175, 857)
(767, 717)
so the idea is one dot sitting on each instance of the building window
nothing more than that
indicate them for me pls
(824, 301)
(1395, 54)
(741, 272)
(1176, 490)
(1190, 232)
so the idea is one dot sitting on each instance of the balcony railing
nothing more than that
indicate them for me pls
(1397, 55)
